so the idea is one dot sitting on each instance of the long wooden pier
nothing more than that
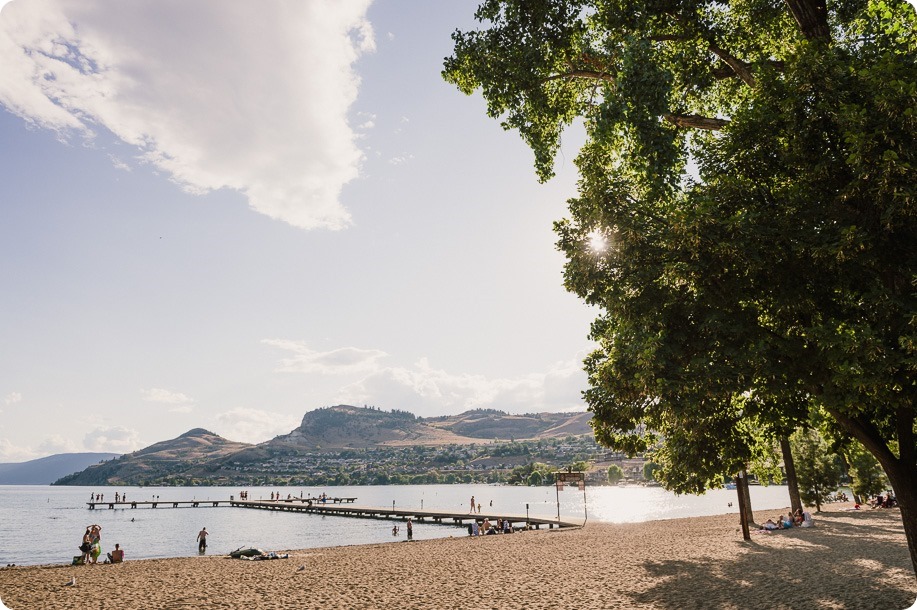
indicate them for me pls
(155, 503)
(439, 517)
(345, 507)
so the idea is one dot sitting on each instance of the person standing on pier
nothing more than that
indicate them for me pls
(472, 504)
(202, 540)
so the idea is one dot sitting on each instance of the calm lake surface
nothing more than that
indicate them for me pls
(44, 524)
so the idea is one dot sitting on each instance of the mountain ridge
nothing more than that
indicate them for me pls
(46, 470)
(201, 455)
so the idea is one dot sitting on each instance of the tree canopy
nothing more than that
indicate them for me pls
(746, 219)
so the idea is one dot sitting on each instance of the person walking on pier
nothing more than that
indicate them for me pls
(202, 540)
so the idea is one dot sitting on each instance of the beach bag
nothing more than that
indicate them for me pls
(77, 560)
(85, 547)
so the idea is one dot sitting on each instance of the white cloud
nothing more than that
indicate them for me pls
(58, 444)
(338, 361)
(12, 398)
(166, 396)
(115, 439)
(14, 453)
(425, 390)
(400, 160)
(252, 97)
(253, 425)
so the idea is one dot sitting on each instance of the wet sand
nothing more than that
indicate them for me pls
(850, 560)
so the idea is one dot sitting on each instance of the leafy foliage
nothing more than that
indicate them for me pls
(777, 279)
(817, 469)
(615, 474)
(868, 480)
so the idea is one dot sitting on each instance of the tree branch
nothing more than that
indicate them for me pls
(812, 18)
(867, 434)
(738, 66)
(589, 74)
(695, 121)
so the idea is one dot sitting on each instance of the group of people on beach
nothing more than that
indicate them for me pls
(486, 528)
(887, 501)
(91, 548)
(800, 518)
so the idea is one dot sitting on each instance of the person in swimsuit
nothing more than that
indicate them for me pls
(202, 540)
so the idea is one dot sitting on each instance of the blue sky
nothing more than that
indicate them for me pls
(225, 215)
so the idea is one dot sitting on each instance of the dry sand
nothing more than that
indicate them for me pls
(849, 560)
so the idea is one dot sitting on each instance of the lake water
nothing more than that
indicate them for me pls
(44, 524)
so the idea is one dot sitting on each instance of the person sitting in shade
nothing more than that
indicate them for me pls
(116, 556)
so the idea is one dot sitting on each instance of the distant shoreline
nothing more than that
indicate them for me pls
(852, 559)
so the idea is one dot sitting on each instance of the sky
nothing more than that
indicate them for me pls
(225, 215)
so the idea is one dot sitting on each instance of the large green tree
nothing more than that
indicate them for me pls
(819, 470)
(774, 277)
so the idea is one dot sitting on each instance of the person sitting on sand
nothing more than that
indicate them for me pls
(116, 556)
(769, 525)
(797, 517)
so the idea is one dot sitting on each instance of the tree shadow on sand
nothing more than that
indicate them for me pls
(844, 562)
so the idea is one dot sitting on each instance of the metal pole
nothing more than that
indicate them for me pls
(557, 492)
(526, 515)
(585, 512)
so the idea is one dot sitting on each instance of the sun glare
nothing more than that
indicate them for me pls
(597, 242)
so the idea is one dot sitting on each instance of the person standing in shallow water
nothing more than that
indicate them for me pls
(202, 540)
(410, 530)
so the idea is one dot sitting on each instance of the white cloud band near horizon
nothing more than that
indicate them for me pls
(249, 97)
(421, 388)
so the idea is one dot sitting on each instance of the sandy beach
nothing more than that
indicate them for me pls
(851, 559)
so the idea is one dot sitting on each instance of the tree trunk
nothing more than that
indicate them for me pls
(743, 513)
(791, 483)
(749, 515)
(812, 18)
(903, 479)
(901, 471)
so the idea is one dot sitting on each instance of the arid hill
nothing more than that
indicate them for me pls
(166, 458)
(201, 456)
